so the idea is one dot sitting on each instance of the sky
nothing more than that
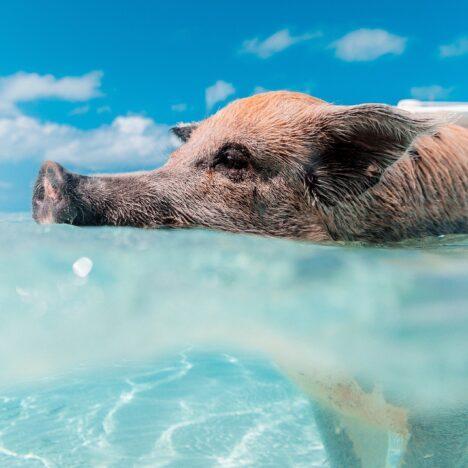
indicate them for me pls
(97, 84)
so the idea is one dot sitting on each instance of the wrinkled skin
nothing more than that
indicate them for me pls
(284, 164)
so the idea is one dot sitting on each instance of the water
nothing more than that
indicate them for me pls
(191, 410)
(199, 348)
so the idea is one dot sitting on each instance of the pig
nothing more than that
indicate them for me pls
(284, 164)
(290, 165)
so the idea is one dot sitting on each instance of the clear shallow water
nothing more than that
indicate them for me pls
(191, 410)
(174, 350)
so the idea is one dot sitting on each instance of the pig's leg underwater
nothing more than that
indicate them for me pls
(433, 440)
(355, 423)
(349, 442)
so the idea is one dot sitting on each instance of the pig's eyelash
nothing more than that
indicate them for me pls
(232, 156)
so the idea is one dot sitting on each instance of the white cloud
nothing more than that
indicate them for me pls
(431, 92)
(80, 110)
(218, 92)
(132, 140)
(368, 44)
(275, 43)
(181, 107)
(22, 87)
(455, 49)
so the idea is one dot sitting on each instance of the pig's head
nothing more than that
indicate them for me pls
(276, 164)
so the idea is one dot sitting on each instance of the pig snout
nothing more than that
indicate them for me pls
(52, 198)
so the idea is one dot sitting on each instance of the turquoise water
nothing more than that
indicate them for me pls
(190, 410)
(188, 348)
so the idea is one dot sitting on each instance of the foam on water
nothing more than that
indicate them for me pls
(98, 370)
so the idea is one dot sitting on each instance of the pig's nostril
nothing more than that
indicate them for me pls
(50, 203)
(51, 181)
(54, 172)
(50, 172)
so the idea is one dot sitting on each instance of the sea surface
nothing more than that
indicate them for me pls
(182, 348)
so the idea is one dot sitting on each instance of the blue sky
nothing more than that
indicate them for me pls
(96, 84)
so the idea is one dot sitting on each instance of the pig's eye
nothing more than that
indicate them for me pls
(232, 157)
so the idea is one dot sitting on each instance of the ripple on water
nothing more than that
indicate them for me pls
(194, 410)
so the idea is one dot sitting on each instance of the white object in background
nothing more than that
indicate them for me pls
(82, 267)
(459, 110)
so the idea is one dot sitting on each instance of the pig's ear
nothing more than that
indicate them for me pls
(184, 130)
(355, 145)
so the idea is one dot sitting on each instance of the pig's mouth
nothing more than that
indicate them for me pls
(51, 199)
